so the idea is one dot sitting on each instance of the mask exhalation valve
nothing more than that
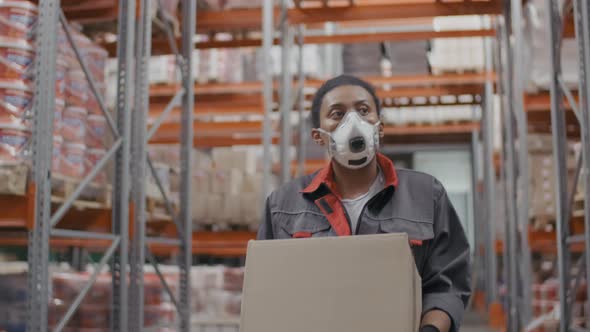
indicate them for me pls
(357, 144)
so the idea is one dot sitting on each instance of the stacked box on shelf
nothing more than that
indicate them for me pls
(542, 178)
(17, 21)
(229, 192)
(94, 311)
(457, 54)
(13, 296)
(84, 126)
(407, 57)
(430, 115)
(216, 292)
(537, 47)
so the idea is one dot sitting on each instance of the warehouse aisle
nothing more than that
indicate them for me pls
(475, 322)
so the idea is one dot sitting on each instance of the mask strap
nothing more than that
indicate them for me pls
(324, 131)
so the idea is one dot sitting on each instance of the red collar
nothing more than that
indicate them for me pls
(326, 175)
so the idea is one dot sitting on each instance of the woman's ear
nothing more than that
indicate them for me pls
(381, 130)
(316, 135)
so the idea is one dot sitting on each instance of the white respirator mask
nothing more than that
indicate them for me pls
(354, 142)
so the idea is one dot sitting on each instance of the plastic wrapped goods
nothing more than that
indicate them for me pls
(92, 104)
(72, 162)
(96, 58)
(17, 19)
(74, 124)
(17, 58)
(92, 157)
(96, 128)
(76, 88)
(13, 143)
(60, 77)
(16, 100)
(56, 153)
(60, 106)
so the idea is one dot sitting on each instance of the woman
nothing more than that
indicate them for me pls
(361, 192)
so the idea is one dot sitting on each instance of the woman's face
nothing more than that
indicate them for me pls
(339, 102)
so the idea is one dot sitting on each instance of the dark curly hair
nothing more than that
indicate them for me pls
(333, 83)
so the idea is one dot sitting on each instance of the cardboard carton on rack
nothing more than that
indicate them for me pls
(251, 210)
(245, 161)
(252, 182)
(151, 188)
(232, 213)
(215, 213)
(227, 181)
(201, 181)
(199, 209)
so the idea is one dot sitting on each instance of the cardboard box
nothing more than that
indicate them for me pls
(251, 210)
(215, 213)
(252, 183)
(199, 209)
(330, 285)
(227, 181)
(201, 181)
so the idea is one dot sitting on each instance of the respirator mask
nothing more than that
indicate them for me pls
(354, 142)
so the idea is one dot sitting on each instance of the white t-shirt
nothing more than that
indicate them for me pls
(355, 206)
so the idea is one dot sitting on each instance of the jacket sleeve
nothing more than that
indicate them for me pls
(446, 275)
(265, 231)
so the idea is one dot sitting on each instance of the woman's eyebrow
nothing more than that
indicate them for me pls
(341, 104)
(336, 104)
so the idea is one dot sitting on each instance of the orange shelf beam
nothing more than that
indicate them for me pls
(541, 102)
(228, 133)
(95, 11)
(310, 166)
(240, 19)
(161, 46)
(401, 86)
(543, 242)
(460, 128)
(224, 244)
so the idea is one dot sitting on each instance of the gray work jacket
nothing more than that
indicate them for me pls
(411, 202)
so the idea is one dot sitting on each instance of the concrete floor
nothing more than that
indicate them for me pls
(474, 322)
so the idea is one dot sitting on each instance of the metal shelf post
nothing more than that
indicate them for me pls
(121, 181)
(582, 26)
(138, 165)
(559, 156)
(511, 266)
(522, 194)
(267, 41)
(189, 17)
(489, 176)
(286, 105)
(44, 102)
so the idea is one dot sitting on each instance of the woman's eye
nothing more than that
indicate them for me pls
(364, 110)
(337, 114)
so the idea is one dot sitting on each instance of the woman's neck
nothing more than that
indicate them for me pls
(352, 183)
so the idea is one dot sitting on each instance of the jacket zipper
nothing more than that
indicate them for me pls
(358, 224)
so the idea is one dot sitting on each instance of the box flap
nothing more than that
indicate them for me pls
(343, 284)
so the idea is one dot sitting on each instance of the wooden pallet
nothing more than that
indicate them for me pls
(94, 196)
(222, 227)
(156, 209)
(444, 71)
(540, 222)
(13, 179)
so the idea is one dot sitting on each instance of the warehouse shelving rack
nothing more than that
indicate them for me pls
(406, 86)
(565, 195)
(531, 112)
(234, 243)
(182, 236)
(44, 222)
